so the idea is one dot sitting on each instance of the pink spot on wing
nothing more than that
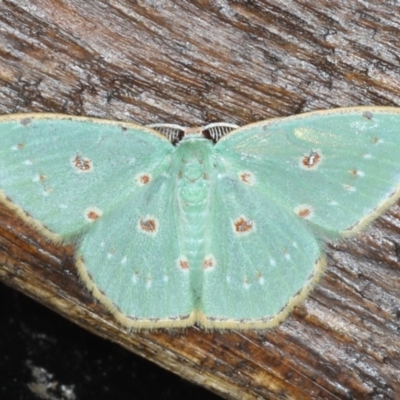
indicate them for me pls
(148, 225)
(247, 177)
(304, 211)
(82, 164)
(183, 263)
(92, 214)
(209, 262)
(243, 225)
(143, 179)
(312, 160)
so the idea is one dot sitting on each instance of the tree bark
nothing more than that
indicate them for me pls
(203, 61)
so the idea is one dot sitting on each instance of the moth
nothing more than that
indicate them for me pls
(223, 234)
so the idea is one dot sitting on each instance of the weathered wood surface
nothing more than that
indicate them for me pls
(203, 61)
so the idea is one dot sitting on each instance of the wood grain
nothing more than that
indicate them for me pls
(198, 62)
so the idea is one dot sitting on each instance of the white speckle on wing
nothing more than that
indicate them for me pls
(357, 173)
(349, 188)
(36, 178)
(148, 282)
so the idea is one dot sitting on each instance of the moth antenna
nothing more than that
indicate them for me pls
(217, 130)
(172, 132)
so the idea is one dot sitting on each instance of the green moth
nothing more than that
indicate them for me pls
(225, 235)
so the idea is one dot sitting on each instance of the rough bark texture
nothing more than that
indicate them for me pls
(234, 61)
